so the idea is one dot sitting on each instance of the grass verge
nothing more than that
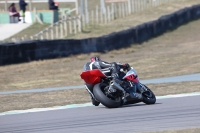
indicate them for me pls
(174, 53)
(190, 130)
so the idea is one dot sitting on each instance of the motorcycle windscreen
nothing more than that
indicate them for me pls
(92, 76)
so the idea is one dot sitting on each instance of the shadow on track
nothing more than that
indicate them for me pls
(130, 105)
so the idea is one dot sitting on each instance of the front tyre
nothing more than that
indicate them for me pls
(149, 97)
(100, 95)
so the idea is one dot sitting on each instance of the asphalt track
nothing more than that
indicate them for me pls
(166, 114)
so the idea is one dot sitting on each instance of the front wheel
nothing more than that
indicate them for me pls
(149, 97)
(109, 102)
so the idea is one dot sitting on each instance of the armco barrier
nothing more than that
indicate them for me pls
(47, 49)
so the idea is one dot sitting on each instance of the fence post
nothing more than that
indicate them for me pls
(75, 29)
(31, 37)
(126, 8)
(65, 27)
(143, 4)
(52, 32)
(47, 34)
(136, 5)
(115, 9)
(132, 6)
(70, 26)
(147, 4)
(22, 39)
(6, 5)
(108, 11)
(112, 11)
(97, 15)
(140, 5)
(83, 20)
(105, 16)
(119, 10)
(41, 35)
(79, 23)
(57, 30)
(30, 5)
(92, 17)
(61, 30)
(123, 11)
(88, 18)
(129, 6)
(101, 16)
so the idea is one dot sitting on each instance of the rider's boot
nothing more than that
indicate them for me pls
(124, 98)
(94, 102)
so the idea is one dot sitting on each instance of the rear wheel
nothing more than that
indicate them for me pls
(149, 97)
(106, 100)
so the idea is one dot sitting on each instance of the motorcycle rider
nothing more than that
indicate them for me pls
(112, 69)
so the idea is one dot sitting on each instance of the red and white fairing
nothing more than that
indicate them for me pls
(131, 75)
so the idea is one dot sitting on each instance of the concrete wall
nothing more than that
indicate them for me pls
(46, 49)
(46, 16)
(4, 18)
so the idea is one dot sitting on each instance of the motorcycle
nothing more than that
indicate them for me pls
(111, 94)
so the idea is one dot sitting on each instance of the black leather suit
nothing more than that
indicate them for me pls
(109, 69)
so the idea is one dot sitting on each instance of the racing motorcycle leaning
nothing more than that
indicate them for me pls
(103, 89)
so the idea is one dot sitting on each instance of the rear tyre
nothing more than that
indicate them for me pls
(103, 99)
(149, 97)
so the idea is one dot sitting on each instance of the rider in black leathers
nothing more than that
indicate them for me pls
(111, 69)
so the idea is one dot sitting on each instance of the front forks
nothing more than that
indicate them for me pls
(142, 88)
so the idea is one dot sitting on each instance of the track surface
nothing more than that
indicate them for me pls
(171, 113)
